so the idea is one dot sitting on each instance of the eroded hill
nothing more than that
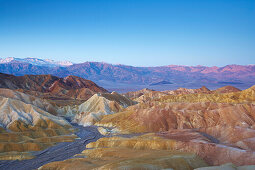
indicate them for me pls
(62, 91)
(146, 129)
(28, 124)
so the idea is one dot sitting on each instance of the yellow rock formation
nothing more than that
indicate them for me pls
(97, 106)
(226, 120)
(26, 125)
(134, 153)
(15, 155)
(245, 96)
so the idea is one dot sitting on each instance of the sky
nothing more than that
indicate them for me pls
(130, 32)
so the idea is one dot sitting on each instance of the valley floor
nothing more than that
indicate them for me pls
(59, 152)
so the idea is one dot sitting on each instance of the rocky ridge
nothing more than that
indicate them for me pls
(64, 90)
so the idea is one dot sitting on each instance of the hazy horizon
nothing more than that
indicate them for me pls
(126, 64)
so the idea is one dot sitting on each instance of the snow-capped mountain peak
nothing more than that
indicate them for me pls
(6, 60)
(36, 61)
(61, 63)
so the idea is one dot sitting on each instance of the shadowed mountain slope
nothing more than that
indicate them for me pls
(52, 87)
(46, 83)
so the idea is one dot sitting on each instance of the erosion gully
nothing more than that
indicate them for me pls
(59, 152)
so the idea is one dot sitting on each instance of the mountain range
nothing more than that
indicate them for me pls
(51, 122)
(123, 78)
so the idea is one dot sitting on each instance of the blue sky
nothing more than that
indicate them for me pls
(131, 32)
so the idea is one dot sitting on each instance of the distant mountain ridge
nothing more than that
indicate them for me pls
(123, 77)
(160, 83)
(36, 61)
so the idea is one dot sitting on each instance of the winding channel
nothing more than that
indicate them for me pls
(59, 152)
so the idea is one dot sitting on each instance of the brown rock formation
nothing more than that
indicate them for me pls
(219, 127)
(227, 89)
(210, 150)
(156, 117)
(51, 87)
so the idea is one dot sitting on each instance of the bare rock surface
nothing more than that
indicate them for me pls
(93, 110)
(59, 90)
(141, 152)
(228, 166)
(219, 127)
(58, 152)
